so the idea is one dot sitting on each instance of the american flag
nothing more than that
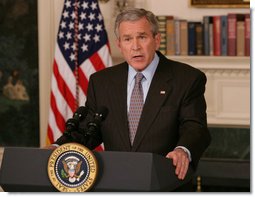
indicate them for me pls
(82, 48)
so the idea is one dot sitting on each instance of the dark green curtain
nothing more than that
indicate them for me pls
(19, 86)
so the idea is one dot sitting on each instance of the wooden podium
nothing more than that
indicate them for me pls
(25, 170)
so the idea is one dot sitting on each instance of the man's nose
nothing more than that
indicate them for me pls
(136, 45)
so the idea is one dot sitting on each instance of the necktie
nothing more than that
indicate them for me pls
(136, 106)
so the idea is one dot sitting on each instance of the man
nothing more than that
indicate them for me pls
(173, 120)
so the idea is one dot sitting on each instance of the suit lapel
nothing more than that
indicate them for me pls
(119, 105)
(160, 89)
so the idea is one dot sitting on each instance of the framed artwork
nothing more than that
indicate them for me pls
(103, 1)
(19, 85)
(221, 3)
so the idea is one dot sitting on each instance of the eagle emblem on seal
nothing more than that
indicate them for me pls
(72, 169)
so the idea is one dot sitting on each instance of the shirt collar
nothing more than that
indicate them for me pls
(148, 72)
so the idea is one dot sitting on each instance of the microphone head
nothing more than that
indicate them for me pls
(102, 112)
(81, 113)
(71, 124)
(99, 116)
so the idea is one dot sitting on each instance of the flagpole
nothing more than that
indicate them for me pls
(76, 52)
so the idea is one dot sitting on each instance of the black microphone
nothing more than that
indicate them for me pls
(99, 116)
(72, 124)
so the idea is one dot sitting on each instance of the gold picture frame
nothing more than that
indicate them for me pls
(220, 3)
(103, 1)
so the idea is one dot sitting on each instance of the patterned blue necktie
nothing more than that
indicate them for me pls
(136, 106)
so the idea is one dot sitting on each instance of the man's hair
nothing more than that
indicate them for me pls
(134, 14)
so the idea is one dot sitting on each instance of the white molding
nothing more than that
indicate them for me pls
(48, 20)
(45, 61)
(215, 62)
(233, 99)
(227, 89)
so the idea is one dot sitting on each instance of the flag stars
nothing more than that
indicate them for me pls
(63, 25)
(74, 46)
(72, 56)
(100, 17)
(65, 14)
(68, 35)
(68, 4)
(73, 15)
(76, 4)
(99, 28)
(92, 16)
(86, 32)
(94, 6)
(61, 35)
(89, 27)
(71, 25)
(84, 47)
(86, 37)
(66, 45)
(79, 36)
(96, 38)
(81, 26)
(83, 16)
(85, 5)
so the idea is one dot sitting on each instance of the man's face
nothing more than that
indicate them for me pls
(137, 44)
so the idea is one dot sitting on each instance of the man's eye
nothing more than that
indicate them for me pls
(126, 39)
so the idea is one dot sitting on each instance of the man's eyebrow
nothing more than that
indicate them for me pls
(139, 33)
(126, 35)
(142, 33)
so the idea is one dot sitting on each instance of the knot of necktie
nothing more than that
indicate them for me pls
(138, 78)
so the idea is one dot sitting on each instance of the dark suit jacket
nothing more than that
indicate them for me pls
(174, 112)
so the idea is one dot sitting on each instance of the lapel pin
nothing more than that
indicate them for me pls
(162, 92)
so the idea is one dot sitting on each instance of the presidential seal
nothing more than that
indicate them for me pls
(72, 168)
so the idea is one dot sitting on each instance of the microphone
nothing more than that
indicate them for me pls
(99, 116)
(72, 124)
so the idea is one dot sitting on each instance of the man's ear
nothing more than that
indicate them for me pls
(117, 41)
(157, 40)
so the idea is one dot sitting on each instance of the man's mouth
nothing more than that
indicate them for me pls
(137, 57)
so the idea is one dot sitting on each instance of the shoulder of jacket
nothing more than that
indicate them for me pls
(109, 71)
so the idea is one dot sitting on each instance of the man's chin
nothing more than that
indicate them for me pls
(139, 66)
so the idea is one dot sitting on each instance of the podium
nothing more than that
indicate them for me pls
(25, 170)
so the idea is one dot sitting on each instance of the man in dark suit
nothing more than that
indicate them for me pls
(173, 120)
